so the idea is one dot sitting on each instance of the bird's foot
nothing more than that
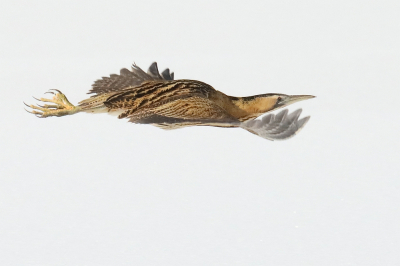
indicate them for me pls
(60, 107)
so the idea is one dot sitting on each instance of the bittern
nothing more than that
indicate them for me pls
(159, 100)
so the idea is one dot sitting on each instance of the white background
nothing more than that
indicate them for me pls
(95, 190)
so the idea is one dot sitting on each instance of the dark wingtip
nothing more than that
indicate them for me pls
(153, 70)
(166, 75)
(125, 72)
(302, 122)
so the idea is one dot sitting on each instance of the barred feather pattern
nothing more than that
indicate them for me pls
(189, 109)
(156, 93)
(129, 79)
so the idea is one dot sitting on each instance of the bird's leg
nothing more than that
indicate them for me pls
(60, 107)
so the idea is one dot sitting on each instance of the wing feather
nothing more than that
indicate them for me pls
(128, 78)
(277, 127)
(166, 75)
(190, 111)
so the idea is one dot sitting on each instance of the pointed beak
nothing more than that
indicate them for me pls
(298, 98)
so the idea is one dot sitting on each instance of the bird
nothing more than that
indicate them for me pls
(159, 100)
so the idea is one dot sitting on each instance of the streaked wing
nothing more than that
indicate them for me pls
(128, 78)
(154, 94)
(182, 112)
(277, 127)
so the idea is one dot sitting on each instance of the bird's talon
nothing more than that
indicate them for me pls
(60, 107)
(28, 111)
(56, 91)
(34, 112)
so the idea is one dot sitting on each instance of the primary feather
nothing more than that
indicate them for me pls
(127, 79)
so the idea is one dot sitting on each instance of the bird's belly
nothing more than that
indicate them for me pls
(104, 110)
(115, 112)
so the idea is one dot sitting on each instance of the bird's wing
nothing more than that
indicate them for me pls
(277, 127)
(128, 78)
(182, 112)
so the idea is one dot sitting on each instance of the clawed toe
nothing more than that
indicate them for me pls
(60, 107)
(36, 113)
(56, 91)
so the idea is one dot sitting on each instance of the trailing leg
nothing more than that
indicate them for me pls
(60, 107)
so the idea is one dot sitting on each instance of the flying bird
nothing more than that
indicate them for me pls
(159, 100)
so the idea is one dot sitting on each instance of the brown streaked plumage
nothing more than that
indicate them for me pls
(158, 99)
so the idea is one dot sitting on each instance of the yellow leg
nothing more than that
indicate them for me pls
(60, 107)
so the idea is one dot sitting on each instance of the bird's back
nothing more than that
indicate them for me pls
(154, 93)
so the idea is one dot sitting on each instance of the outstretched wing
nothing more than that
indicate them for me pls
(128, 78)
(277, 127)
(183, 112)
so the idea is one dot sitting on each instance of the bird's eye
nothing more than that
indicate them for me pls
(279, 98)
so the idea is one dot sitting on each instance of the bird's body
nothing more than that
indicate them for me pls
(151, 98)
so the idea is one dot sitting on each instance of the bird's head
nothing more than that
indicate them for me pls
(269, 102)
(282, 100)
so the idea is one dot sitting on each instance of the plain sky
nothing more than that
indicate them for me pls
(95, 190)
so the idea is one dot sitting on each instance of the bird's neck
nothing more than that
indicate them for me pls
(244, 108)
(254, 106)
